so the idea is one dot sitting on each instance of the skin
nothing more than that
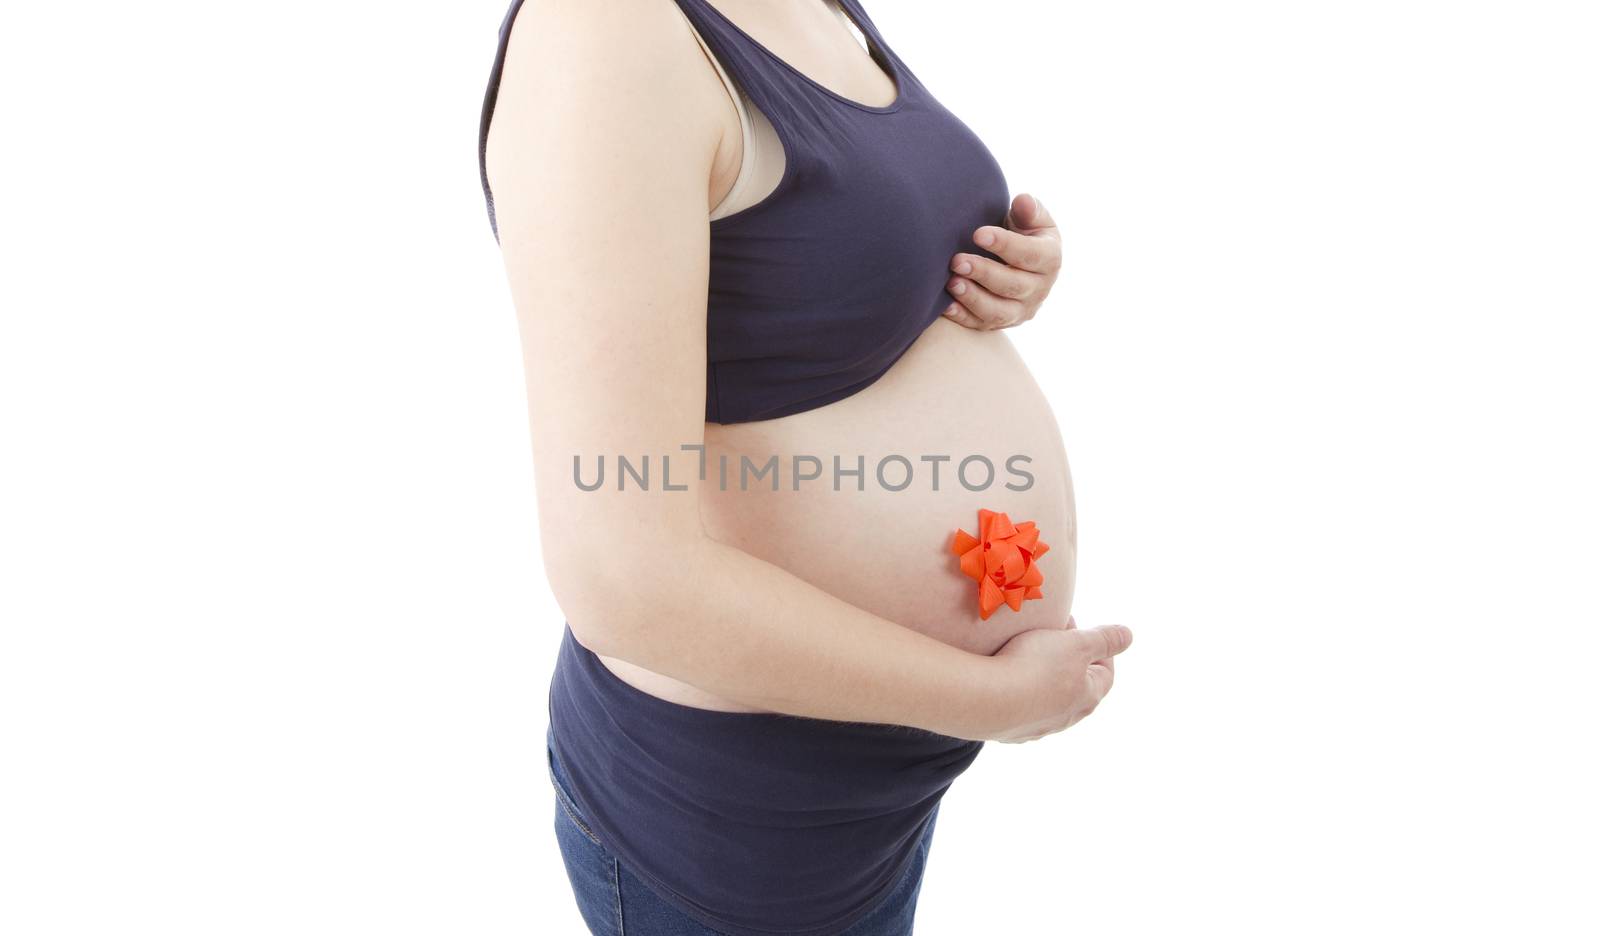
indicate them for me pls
(610, 144)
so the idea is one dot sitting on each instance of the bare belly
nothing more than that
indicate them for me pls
(958, 393)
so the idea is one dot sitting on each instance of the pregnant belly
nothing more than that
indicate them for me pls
(956, 425)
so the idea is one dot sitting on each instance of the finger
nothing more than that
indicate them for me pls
(1028, 214)
(958, 313)
(1106, 641)
(995, 311)
(1005, 281)
(1036, 253)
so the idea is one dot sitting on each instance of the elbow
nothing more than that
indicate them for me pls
(612, 593)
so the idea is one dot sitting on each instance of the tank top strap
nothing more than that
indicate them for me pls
(870, 29)
(785, 96)
(749, 63)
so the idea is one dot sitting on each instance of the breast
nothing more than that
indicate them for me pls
(816, 291)
(956, 392)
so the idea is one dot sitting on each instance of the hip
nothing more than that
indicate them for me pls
(753, 824)
(613, 898)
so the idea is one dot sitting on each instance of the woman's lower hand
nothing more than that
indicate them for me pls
(1054, 678)
(991, 294)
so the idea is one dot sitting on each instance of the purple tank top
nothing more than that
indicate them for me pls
(767, 824)
(755, 824)
(817, 289)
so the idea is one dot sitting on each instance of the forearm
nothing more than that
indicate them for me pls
(732, 624)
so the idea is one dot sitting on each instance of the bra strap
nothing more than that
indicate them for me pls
(752, 68)
(870, 29)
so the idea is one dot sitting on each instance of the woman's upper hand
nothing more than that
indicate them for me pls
(993, 295)
(1054, 678)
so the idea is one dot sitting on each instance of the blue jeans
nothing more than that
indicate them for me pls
(614, 902)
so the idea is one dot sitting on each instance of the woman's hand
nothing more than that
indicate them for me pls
(993, 295)
(1056, 677)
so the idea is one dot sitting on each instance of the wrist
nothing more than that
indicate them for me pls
(981, 709)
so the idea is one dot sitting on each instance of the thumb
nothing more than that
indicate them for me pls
(1106, 641)
(1029, 214)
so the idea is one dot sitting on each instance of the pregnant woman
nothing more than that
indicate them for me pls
(760, 273)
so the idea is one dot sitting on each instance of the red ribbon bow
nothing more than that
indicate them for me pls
(1001, 559)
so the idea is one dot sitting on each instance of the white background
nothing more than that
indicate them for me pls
(276, 638)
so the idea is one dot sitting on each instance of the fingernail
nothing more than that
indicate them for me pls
(985, 237)
(963, 268)
(958, 287)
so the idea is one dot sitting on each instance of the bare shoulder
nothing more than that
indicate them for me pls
(626, 75)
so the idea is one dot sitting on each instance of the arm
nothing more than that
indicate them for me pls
(599, 157)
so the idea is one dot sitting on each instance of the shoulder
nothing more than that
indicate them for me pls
(606, 107)
(633, 60)
(614, 34)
